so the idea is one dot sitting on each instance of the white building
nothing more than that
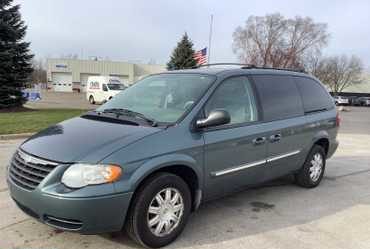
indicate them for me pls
(67, 75)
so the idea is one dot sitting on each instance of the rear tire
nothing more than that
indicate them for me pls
(312, 171)
(168, 219)
(91, 100)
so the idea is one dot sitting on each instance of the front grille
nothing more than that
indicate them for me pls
(28, 171)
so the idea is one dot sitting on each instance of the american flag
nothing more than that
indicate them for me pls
(201, 56)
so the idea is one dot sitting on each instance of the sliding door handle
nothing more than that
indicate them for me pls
(275, 138)
(259, 140)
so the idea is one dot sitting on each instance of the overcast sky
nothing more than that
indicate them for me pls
(141, 30)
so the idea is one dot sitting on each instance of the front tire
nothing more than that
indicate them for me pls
(312, 171)
(159, 211)
(91, 100)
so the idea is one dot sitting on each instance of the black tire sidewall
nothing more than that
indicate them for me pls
(306, 169)
(141, 228)
(91, 100)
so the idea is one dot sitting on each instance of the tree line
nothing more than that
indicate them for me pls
(268, 41)
(295, 43)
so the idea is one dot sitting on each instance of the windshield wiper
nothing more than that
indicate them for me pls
(127, 112)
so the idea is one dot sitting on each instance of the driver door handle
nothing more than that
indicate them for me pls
(275, 138)
(259, 140)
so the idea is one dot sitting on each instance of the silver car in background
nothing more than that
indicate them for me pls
(340, 100)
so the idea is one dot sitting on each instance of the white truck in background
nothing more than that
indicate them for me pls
(100, 89)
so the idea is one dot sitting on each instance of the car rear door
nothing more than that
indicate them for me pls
(283, 114)
(234, 153)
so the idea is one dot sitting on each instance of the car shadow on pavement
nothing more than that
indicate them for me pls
(271, 206)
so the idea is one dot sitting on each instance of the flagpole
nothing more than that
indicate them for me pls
(210, 40)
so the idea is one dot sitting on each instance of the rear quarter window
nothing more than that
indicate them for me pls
(314, 95)
(279, 97)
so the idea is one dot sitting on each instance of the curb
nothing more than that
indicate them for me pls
(15, 136)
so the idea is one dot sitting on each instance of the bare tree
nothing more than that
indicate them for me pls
(338, 72)
(276, 41)
(39, 72)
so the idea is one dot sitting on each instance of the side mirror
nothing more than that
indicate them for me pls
(215, 118)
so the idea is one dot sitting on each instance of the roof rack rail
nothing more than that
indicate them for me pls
(251, 66)
(298, 70)
(224, 64)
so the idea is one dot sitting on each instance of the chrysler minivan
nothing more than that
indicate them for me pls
(149, 157)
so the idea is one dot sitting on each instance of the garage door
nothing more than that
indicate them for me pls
(83, 78)
(62, 82)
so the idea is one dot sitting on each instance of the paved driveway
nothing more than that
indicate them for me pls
(277, 215)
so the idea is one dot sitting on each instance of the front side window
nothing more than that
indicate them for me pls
(235, 95)
(116, 87)
(163, 97)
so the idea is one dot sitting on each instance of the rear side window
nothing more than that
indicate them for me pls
(279, 96)
(314, 96)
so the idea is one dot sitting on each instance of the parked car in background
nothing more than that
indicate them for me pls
(100, 89)
(351, 99)
(362, 101)
(150, 156)
(340, 100)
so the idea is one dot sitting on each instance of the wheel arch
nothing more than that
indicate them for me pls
(322, 139)
(181, 165)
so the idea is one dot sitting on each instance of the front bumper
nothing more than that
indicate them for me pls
(86, 215)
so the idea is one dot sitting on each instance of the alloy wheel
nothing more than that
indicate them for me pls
(317, 164)
(165, 212)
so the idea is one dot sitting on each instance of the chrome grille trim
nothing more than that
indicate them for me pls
(19, 174)
(34, 160)
(28, 171)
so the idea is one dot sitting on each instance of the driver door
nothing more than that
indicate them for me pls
(235, 153)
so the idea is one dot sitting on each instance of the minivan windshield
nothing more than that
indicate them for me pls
(164, 97)
(115, 87)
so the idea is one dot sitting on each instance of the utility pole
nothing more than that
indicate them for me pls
(210, 40)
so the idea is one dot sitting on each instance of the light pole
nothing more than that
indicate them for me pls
(210, 40)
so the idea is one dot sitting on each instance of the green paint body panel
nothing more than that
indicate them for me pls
(224, 159)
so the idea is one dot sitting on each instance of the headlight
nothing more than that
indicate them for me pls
(80, 175)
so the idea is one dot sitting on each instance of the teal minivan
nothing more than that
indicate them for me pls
(146, 159)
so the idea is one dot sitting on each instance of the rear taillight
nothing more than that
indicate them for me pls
(337, 120)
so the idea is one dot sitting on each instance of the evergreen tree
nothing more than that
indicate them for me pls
(15, 58)
(183, 55)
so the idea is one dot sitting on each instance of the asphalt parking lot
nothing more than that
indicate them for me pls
(276, 215)
(65, 100)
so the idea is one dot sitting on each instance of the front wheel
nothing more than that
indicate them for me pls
(312, 172)
(91, 100)
(159, 211)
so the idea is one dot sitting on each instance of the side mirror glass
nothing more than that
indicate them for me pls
(215, 118)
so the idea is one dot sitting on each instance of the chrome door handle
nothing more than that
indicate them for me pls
(259, 140)
(275, 138)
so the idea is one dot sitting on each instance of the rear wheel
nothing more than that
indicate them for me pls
(310, 175)
(91, 100)
(159, 211)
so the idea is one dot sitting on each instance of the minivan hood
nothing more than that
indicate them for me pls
(83, 140)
